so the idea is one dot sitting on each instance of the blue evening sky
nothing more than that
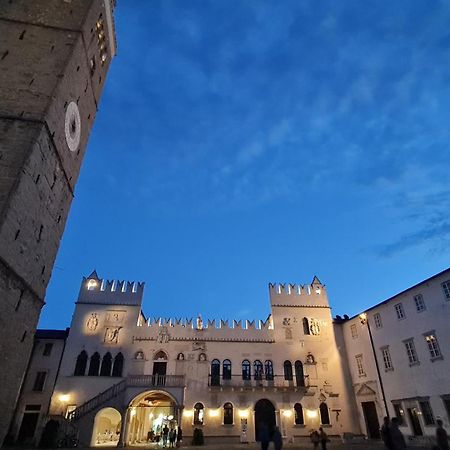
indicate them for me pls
(244, 142)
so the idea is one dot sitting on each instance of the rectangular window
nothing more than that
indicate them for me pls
(39, 381)
(399, 413)
(446, 288)
(377, 320)
(400, 311)
(387, 358)
(47, 349)
(411, 352)
(359, 365)
(433, 345)
(420, 304)
(427, 412)
(354, 331)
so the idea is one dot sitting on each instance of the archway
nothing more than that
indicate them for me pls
(152, 414)
(264, 418)
(106, 431)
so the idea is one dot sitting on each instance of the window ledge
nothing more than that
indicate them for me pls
(391, 369)
(417, 363)
(299, 425)
(437, 358)
(228, 425)
(326, 425)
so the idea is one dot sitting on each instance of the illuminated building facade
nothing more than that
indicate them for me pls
(123, 377)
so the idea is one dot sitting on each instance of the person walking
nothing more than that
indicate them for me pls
(165, 435)
(315, 439)
(397, 439)
(277, 439)
(172, 437)
(179, 437)
(386, 433)
(441, 436)
(263, 436)
(323, 438)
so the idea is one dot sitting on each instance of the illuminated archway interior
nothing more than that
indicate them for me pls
(106, 430)
(150, 413)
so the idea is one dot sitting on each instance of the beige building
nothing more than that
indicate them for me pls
(123, 377)
(223, 377)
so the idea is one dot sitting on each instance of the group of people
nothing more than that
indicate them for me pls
(171, 437)
(266, 436)
(319, 437)
(394, 440)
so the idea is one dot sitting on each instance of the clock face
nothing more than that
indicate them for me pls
(72, 126)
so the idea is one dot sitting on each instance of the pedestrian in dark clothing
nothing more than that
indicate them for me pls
(315, 439)
(386, 433)
(397, 440)
(179, 436)
(323, 438)
(263, 436)
(441, 436)
(277, 439)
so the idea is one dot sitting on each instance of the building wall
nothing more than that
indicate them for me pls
(280, 338)
(46, 68)
(404, 384)
(32, 395)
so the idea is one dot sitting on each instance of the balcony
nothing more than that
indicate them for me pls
(156, 380)
(278, 382)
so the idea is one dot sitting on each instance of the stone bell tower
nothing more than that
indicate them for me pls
(54, 58)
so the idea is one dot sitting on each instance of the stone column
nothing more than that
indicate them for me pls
(124, 428)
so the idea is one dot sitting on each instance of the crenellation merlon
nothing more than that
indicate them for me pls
(288, 294)
(97, 290)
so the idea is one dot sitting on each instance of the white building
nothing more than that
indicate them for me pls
(411, 336)
(123, 376)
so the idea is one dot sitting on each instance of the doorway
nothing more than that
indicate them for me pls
(371, 419)
(28, 427)
(415, 422)
(159, 373)
(264, 418)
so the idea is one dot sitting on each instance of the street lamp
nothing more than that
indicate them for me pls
(365, 321)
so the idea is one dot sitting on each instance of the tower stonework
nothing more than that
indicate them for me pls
(54, 57)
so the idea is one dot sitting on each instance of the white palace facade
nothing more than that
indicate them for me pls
(117, 378)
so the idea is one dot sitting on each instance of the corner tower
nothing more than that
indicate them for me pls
(54, 57)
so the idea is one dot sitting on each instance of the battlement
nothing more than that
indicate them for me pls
(287, 294)
(194, 324)
(109, 292)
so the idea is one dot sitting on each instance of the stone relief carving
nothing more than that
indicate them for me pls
(112, 335)
(197, 345)
(163, 335)
(92, 322)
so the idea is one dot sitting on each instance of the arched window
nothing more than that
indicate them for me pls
(257, 370)
(324, 415)
(288, 371)
(198, 414)
(160, 355)
(299, 375)
(306, 326)
(228, 414)
(105, 370)
(226, 369)
(268, 366)
(180, 357)
(246, 373)
(215, 372)
(94, 365)
(80, 365)
(118, 365)
(299, 420)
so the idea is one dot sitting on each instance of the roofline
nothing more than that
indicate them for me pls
(402, 292)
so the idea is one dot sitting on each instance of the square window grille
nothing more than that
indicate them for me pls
(433, 345)
(420, 304)
(400, 311)
(411, 352)
(446, 288)
(377, 320)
